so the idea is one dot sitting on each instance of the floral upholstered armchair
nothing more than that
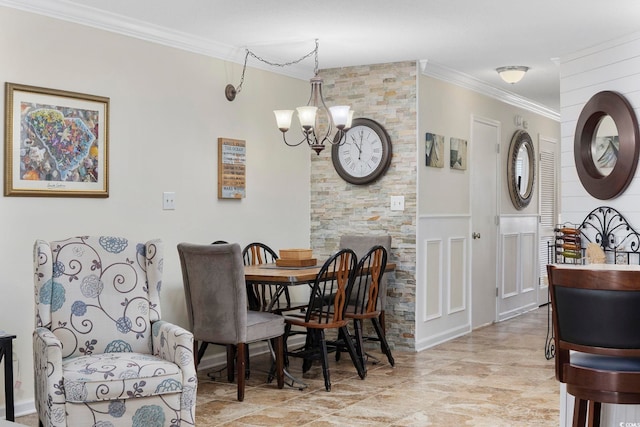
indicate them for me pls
(102, 356)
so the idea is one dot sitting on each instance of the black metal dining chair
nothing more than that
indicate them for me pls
(325, 311)
(260, 295)
(361, 244)
(362, 302)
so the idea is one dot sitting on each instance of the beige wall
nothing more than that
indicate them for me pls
(446, 109)
(450, 297)
(167, 111)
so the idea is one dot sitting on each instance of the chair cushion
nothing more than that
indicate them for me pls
(605, 363)
(262, 325)
(108, 376)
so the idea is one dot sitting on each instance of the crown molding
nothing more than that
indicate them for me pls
(91, 17)
(466, 81)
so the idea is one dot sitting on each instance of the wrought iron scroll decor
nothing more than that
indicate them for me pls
(610, 229)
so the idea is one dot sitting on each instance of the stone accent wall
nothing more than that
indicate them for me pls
(386, 93)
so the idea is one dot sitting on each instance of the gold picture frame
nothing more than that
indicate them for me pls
(56, 143)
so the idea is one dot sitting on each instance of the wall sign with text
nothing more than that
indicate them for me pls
(232, 157)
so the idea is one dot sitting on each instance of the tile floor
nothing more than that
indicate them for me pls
(495, 376)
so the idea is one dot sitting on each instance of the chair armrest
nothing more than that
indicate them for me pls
(175, 344)
(49, 389)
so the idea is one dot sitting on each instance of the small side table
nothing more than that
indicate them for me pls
(6, 351)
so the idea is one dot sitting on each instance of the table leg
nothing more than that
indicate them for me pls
(6, 350)
(293, 379)
(279, 291)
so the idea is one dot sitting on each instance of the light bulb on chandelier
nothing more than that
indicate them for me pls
(317, 121)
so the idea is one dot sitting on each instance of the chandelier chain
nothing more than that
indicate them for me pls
(277, 64)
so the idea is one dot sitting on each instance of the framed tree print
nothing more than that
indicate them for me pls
(56, 143)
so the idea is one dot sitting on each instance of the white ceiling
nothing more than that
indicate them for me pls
(472, 37)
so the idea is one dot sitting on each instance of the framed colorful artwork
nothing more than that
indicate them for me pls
(56, 143)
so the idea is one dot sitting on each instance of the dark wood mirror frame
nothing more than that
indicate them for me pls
(600, 105)
(519, 140)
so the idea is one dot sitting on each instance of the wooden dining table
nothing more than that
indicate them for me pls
(282, 277)
(286, 276)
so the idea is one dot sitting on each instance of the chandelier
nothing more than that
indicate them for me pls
(317, 121)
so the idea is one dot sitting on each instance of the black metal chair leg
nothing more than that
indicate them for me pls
(341, 339)
(357, 325)
(383, 341)
(310, 342)
(325, 361)
(354, 356)
(201, 350)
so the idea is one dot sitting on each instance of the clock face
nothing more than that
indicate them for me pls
(365, 154)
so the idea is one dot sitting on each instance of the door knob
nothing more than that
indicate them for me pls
(475, 235)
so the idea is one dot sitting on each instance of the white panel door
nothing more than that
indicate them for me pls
(485, 139)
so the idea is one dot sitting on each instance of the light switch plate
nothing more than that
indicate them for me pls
(168, 200)
(397, 203)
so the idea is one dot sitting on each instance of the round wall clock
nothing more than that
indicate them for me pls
(365, 155)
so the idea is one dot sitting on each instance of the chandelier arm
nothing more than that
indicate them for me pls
(284, 138)
(339, 137)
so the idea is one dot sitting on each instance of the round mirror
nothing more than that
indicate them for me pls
(521, 169)
(606, 145)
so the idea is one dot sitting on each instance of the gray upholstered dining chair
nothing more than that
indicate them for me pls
(216, 296)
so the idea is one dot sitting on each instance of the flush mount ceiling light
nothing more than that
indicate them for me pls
(317, 121)
(512, 74)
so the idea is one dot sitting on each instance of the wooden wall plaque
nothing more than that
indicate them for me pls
(232, 158)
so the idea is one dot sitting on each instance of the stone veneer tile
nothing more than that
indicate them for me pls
(386, 93)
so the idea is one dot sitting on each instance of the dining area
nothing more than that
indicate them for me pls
(288, 306)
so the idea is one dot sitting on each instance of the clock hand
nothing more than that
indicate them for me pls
(361, 141)
(356, 144)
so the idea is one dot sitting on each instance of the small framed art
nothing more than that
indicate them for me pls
(434, 150)
(232, 159)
